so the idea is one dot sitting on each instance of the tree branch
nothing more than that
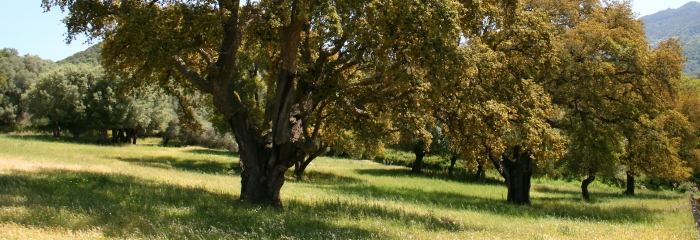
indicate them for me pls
(192, 76)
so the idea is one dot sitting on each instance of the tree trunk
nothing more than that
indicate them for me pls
(480, 173)
(103, 137)
(263, 159)
(419, 150)
(134, 135)
(453, 161)
(518, 173)
(76, 135)
(630, 183)
(265, 162)
(121, 136)
(56, 130)
(115, 136)
(300, 166)
(585, 183)
(129, 135)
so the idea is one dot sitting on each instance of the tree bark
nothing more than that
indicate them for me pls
(115, 136)
(585, 183)
(630, 183)
(453, 162)
(419, 150)
(518, 173)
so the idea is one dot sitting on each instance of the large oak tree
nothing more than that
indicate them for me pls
(281, 72)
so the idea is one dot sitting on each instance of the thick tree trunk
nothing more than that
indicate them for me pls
(584, 185)
(480, 173)
(263, 159)
(630, 183)
(518, 173)
(453, 162)
(265, 162)
(419, 150)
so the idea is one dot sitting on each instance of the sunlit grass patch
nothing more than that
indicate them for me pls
(62, 190)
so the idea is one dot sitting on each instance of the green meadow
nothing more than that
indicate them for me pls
(54, 189)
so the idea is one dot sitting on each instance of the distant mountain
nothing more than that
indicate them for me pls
(683, 23)
(90, 56)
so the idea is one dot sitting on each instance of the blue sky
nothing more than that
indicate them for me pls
(25, 26)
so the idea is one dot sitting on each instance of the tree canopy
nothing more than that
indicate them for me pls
(517, 83)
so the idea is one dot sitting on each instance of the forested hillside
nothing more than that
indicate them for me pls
(683, 23)
(90, 56)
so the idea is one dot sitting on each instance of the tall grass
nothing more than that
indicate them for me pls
(62, 190)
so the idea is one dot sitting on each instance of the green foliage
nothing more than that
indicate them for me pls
(90, 56)
(682, 23)
(60, 95)
(81, 97)
(8, 52)
(17, 75)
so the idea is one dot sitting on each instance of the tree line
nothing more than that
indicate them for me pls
(527, 86)
(77, 96)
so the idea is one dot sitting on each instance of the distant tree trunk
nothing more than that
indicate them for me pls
(630, 183)
(115, 136)
(56, 130)
(585, 183)
(419, 150)
(129, 135)
(134, 135)
(166, 139)
(453, 162)
(300, 166)
(518, 173)
(76, 135)
(122, 136)
(480, 173)
(103, 137)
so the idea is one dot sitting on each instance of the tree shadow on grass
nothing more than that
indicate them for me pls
(400, 172)
(560, 207)
(324, 178)
(85, 140)
(201, 166)
(603, 196)
(223, 153)
(121, 206)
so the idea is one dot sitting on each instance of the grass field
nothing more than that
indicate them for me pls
(52, 189)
